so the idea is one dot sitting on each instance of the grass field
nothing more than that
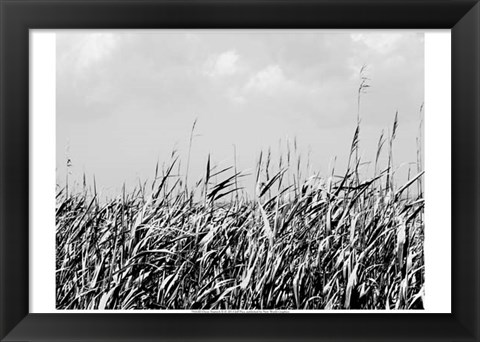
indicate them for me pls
(311, 242)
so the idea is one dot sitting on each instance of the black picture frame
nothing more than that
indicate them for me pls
(18, 16)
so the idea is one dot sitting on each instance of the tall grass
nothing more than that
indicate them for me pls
(300, 242)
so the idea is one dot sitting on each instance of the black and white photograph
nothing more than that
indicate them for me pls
(240, 170)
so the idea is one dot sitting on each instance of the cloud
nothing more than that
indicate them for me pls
(235, 95)
(223, 64)
(269, 80)
(382, 43)
(272, 92)
(87, 51)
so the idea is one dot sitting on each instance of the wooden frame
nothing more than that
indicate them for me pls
(18, 16)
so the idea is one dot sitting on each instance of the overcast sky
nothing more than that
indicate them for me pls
(126, 99)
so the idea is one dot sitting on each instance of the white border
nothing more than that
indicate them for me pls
(438, 172)
(437, 185)
(42, 171)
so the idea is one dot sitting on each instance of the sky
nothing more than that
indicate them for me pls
(126, 99)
